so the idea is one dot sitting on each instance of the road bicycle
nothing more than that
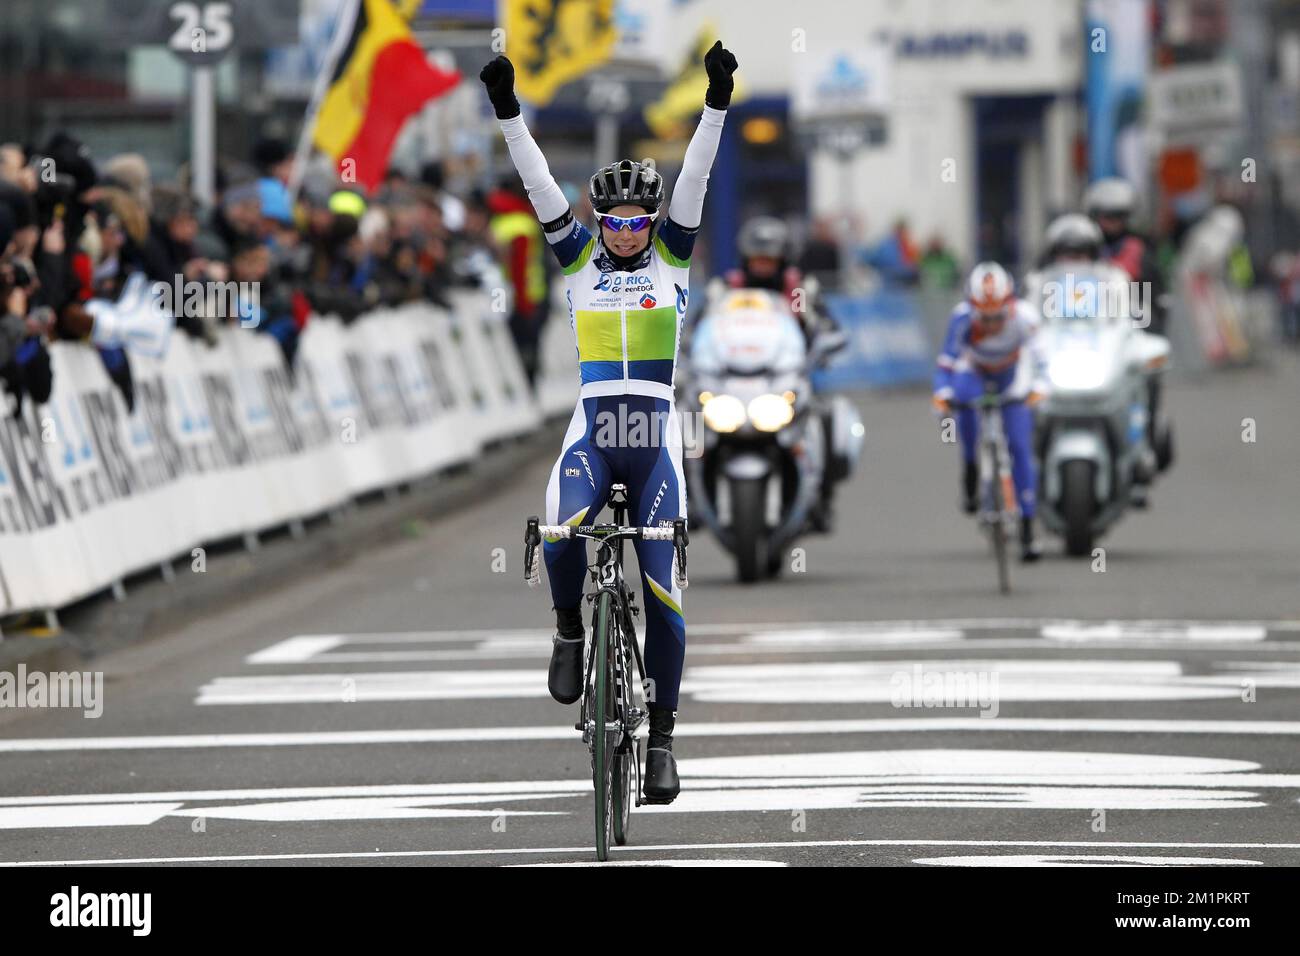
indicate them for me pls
(610, 715)
(999, 509)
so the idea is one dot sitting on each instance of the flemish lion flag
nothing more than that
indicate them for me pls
(551, 42)
(380, 79)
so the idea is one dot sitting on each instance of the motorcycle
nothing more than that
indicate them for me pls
(1093, 437)
(769, 448)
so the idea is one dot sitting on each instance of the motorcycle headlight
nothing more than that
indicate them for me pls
(723, 413)
(1077, 371)
(770, 413)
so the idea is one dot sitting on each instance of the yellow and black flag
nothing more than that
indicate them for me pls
(380, 78)
(551, 42)
(681, 101)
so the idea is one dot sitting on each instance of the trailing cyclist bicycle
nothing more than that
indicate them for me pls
(627, 289)
(992, 344)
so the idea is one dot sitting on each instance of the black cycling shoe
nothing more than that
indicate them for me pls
(565, 676)
(970, 480)
(661, 782)
(1029, 549)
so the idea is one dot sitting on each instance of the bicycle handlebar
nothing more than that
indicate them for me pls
(603, 532)
(985, 401)
(534, 532)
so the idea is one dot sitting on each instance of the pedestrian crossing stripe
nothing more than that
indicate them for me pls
(818, 638)
(829, 780)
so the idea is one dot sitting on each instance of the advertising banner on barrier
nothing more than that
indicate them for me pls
(557, 379)
(223, 440)
(502, 396)
(887, 344)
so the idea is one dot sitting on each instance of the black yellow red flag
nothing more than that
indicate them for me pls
(380, 78)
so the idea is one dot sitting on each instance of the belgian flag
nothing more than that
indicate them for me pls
(380, 78)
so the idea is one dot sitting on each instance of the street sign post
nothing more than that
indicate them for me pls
(840, 103)
(201, 33)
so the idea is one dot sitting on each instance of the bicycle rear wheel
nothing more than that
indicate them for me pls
(604, 711)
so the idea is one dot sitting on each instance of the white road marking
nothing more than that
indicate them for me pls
(961, 794)
(1134, 630)
(809, 637)
(308, 648)
(1001, 779)
(651, 848)
(296, 649)
(371, 808)
(670, 861)
(501, 790)
(373, 686)
(1001, 680)
(782, 642)
(779, 728)
(1104, 859)
(795, 682)
(83, 815)
(540, 650)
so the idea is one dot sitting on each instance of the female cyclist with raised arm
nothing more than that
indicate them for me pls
(627, 290)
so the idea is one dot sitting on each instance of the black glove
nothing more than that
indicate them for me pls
(719, 63)
(499, 78)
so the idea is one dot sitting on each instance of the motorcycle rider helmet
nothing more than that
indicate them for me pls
(627, 183)
(1074, 234)
(989, 290)
(764, 236)
(1110, 197)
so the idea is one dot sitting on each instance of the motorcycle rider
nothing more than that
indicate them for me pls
(987, 335)
(766, 263)
(1071, 240)
(1076, 240)
(1111, 203)
(627, 290)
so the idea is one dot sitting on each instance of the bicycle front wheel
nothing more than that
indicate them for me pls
(999, 497)
(623, 766)
(999, 532)
(604, 711)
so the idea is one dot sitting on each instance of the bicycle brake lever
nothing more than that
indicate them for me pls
(680, 540)
(532, 567)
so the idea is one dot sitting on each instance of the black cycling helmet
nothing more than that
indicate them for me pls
(627, 183)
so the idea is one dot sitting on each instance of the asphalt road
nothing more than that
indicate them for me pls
(394, 710)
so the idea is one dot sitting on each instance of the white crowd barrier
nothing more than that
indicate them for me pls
(223, 441)
(557, 385)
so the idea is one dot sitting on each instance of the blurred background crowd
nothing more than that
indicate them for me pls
(78, 235)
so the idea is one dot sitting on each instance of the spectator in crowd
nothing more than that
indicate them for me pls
(273, 159)
(517, 232)
(453, 209)
(895, 256)
(238, 216)
(938, 268)
(130, 171)
(174, 227)
(821, 253)
(24, 362)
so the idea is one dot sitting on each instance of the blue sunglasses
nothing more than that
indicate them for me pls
(633, 223)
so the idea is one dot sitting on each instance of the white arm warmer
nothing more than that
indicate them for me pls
(687, 206)
(544, 192)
